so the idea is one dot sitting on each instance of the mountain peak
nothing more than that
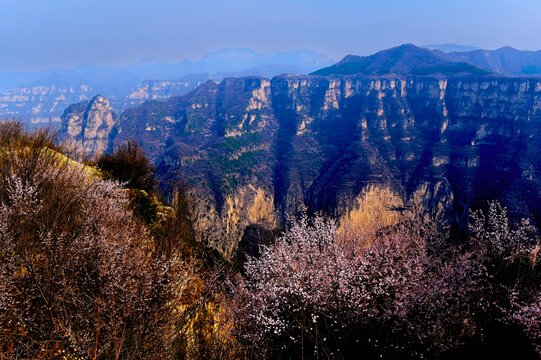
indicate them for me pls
(96, 99)
(507, 49)
(147, 61)
(403, 59)
(410, 46)
(447, 48)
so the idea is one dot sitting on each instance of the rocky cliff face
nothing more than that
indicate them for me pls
(359, 147)
(162, 89)
(89, 125)
(46, 102)
(40, 104)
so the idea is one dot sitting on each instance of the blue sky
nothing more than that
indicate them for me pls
(43, 34)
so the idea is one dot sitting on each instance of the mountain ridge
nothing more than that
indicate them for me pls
(41, 97)
(429, 144)
(403, 60)
(451, 47)
(506, 60)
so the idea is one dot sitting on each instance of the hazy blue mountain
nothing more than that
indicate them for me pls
(233, 60)
(451, 47)
(229, 60)
(83, 74)
(40, 97)
(406, 59)
(267, 71)
(108, 81)
(302, 58)
(505, 60)
(9, 79)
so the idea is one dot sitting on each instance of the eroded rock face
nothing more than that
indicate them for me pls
(224, 228)
(43, 104)
(89, 125)
(428, 144)
(40, 103)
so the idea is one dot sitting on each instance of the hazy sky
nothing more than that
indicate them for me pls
(42, 34)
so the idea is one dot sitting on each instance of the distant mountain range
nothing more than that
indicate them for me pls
(452, 47)
(229, 60)
(505, 60)
(410, 58)
(407, 59)
(443, 59)
(42, 96)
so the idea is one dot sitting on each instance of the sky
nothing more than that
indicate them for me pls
(45, 34)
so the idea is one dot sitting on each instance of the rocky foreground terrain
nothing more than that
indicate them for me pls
(378, 147)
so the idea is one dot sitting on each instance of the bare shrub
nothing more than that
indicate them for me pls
(401, 294)
(405, 291)
(75, 272)
(129, 164)
(511, 288)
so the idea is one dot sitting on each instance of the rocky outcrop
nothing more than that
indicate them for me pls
(162, 89)
(89, 125)
(45, 103)
(41, 103)
(362, 148)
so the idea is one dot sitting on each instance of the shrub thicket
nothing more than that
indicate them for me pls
(128, 164)
(89, 269)
(406, 292)
(81, 277)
